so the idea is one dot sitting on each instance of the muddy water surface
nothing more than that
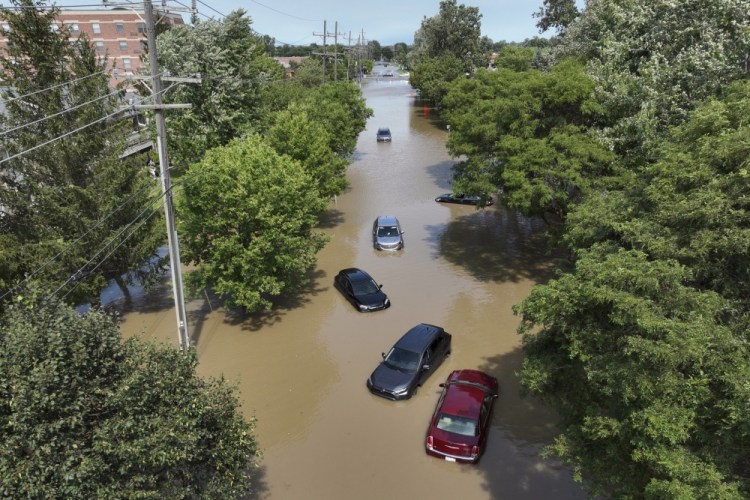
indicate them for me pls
(302, 369)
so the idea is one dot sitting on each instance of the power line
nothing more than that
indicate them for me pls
(76, 276)
(53, 87)
(70, 245)
(286, 14)
(67, 110)
(206, 5)
(54, 139)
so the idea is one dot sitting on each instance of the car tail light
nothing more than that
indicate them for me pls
(429, 442)
(474, 451)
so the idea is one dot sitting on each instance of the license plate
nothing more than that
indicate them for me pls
(450, 459)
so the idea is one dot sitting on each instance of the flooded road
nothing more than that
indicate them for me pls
(301, 370)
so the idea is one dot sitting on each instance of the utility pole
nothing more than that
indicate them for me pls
(166, 184)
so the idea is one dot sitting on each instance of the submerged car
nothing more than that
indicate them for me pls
(387, 233)
(411, 360)
(464, 199)
(384, 134)
(361, 290)
(461, 421)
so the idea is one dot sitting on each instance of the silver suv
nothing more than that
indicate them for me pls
(387, 233)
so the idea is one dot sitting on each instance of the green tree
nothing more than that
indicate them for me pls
(234, 95)
(258, 242)
(527, 132)
(642, 345)
(73, 195)
(433, 77)
(340, 108)
(556, 14)
(297, 136)
(84, 415)
(654, 61)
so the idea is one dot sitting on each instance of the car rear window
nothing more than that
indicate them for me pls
(457, 425)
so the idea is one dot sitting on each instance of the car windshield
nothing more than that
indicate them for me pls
(401, 359)
(384, 231)
(365, 287)
(457, 425)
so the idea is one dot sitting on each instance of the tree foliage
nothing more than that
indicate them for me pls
(643, 345)
(234, 95)
(258, 242)
(446, 47)
(654, 61)
(71, 196)
(84, 415)
(527, 131)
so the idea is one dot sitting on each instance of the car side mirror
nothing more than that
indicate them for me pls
(425, 367)
(494, 396)
(441, 385)
(380, 286)
(382, 354)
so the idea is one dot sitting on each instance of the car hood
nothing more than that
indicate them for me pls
(372, 299)
(390, 379)
(388, 240)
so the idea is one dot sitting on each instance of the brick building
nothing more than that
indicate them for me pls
(118, 34)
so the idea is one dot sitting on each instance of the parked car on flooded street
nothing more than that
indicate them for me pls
(384, 134)
(463, 199)
(361, 290)
(387, 233)
(411, 360)
(463, 415)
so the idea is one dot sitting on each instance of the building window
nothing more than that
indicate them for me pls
(123, 45)
(73, 27)
(126, 64)
(96, 27)
(99, 46)
(141, 27)
(120, 27)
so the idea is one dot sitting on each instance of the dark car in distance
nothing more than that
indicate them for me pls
(384, 134)
(463, 199)
(361, 290)
(411, 360)
(461, 422)
(387, 233)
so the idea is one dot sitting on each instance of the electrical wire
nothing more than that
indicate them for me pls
(37, 146)
(208, 6)
(73, 243)
(285, 14)
(67, 110)
(76, 275)
(53, 87)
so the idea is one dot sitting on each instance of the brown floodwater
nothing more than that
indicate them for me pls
(301, 370)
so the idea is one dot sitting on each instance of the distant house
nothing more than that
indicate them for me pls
(290, 63)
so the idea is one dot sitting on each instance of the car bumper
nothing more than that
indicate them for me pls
(387, 394)
(450, 457)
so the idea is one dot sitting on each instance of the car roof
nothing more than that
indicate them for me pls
(387, 220)
(384, 129)
(355, 274)
(464, 400)
(418, 338)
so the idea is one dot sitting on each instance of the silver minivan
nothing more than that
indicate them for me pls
(387, 233)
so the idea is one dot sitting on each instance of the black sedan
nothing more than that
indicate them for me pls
(463, 199)
(361, 290)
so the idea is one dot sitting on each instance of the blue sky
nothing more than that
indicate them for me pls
(387, 21)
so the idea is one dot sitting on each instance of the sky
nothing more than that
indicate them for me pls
(295, 22)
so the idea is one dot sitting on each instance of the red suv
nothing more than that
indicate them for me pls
(461, 422)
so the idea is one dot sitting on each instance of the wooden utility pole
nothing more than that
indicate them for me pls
(166, 184)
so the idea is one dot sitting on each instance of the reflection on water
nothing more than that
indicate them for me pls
(302, 368)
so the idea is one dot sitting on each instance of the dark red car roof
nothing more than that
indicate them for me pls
(465, 392)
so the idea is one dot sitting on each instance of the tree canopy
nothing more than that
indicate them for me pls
(258, 241)
(234, 95)
(85, 415)
(64, 191)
